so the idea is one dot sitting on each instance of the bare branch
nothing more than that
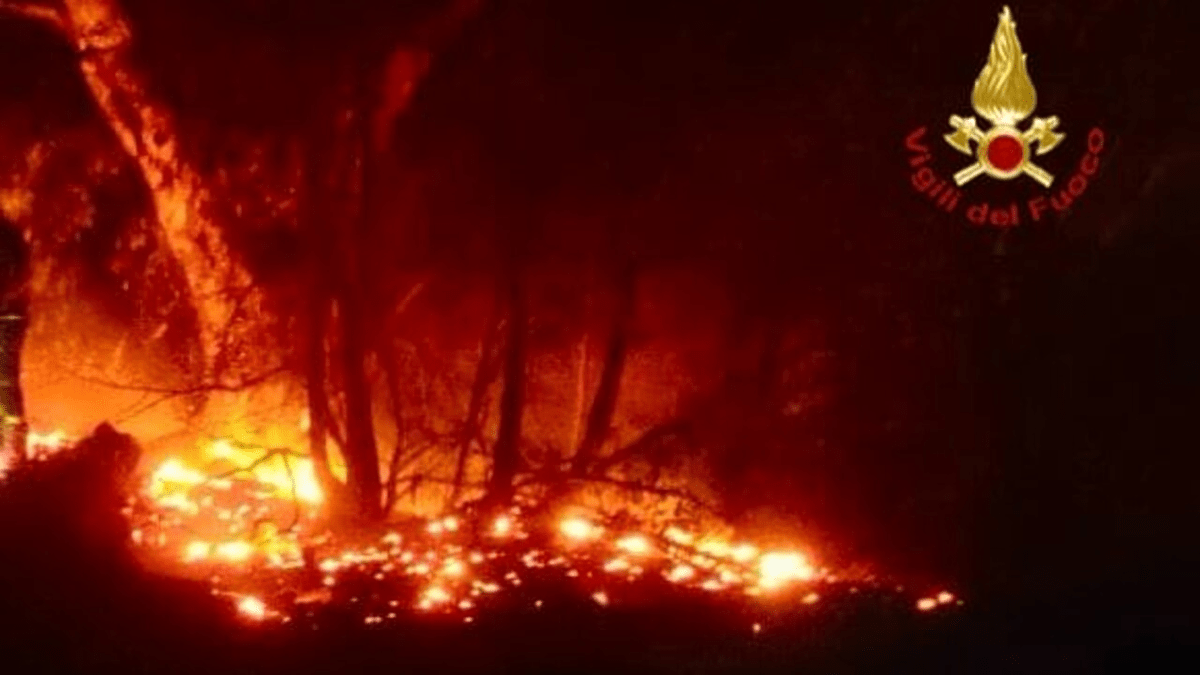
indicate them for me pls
(186, 391)
(51, 16)
(392, 376)
(628, 485)
(644, 443)
(485, 373)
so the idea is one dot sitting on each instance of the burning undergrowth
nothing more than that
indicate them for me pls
(255, 536)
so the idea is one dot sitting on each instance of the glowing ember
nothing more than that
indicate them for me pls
(744, 553)
(678, 536)
(196, 551)
(254, 531)
(234, 551)
(502, 526)
(578, 529)
(253, 608)
(454, 568)
(637, 544)
(681, 573)
(434, 596)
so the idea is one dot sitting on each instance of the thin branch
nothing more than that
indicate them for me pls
(648, 440)
(392, 375)
(485, 373)
(295, 496)
(185, 391)
(554, 477)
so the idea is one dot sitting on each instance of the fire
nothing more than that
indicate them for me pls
(502, 526)
(681, 573)
(234, 551)
(246, 524)
(196, 551)
(433, 597)
(578, 529)
(252, 608)
(637, 544)
(777, 569)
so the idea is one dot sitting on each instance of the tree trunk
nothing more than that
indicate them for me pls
(391, 371)
(318, 404)
(600, 416)
(350, 156)
(314, 215)
(146, 129)
(506, 457)
(485, 374)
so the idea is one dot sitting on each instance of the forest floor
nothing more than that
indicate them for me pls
(74, 599)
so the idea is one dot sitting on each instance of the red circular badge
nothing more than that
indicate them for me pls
(1005, 152)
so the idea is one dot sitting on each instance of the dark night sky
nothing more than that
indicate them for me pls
(773, 133)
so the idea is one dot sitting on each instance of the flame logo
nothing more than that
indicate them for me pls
(1003, 93)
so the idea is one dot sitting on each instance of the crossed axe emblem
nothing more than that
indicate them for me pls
(1003, 151)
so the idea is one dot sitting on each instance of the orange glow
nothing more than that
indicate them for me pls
(196, 551)
(578, 529)
(454, 568)
(681, 573)
(252, 608)
(234, 551)
(243, 527)
(502, 526)
(433, 597)
(637, 544)
(778, 569)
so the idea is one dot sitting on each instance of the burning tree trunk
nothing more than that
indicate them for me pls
(101, 33)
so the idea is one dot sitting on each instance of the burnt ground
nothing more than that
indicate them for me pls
(72, 599)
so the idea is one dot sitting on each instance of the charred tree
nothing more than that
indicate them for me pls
(600, 416)
(506, 456)
(314, 214)
(485, 374)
